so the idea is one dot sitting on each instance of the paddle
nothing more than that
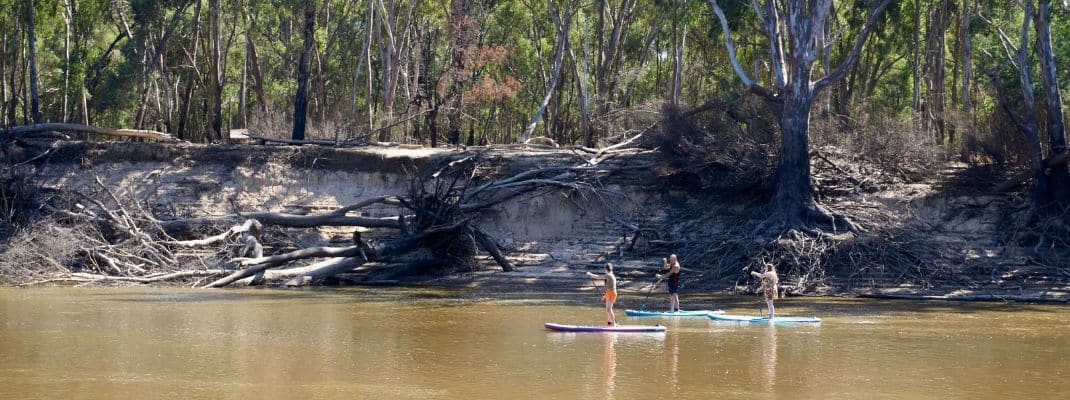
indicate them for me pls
(649, 290)
(746, 270)
(594, 283)
(761, 312)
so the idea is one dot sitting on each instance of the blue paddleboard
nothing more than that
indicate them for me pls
(637, 313)
(752, 318)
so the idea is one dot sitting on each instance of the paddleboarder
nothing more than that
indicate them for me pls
(770, 283)
(611, 292)
(671, 268)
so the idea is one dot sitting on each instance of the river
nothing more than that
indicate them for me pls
(131, 343)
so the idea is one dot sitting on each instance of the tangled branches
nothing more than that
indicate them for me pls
(721, 146)
(430, 228)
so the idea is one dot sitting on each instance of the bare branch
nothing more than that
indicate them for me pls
(1017, 118)
(856, 50)
(748, 83)
(776, 43)
(1008, 45)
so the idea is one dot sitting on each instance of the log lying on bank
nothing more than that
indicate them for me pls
(62, 127)
(82, 277)
(342, 259)
(251, 226)
(184, 226)
(1024, 176)
(257, 265)
(331, 143)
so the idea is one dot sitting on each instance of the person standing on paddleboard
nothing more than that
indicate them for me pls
(611, 292)
(672, 272)
(770, 283)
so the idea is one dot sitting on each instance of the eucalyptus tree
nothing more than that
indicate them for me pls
(1049, 173)
(794, 44)
(1060, 179)
(301, 97)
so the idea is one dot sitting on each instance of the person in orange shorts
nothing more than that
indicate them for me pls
(611, 292)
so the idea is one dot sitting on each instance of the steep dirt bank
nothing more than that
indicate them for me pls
(940, 235)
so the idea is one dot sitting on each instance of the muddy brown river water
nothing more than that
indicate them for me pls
(68, 343)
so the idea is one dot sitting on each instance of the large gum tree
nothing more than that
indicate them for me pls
(796, 35)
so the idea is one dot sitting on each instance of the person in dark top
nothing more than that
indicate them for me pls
(671, 271)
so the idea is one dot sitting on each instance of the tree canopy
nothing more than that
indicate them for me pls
(482, 72)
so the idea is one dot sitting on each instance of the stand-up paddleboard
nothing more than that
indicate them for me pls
(637, 313)
(607, 328)
(752, 318)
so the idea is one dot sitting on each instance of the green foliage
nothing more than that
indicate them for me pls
(500, 78)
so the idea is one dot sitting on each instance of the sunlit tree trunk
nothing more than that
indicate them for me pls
(301, 98)
(967, 70)
(581, 90)
(679, 38)
(561, 24)
(1028, 124)
(4, 32)
(631, 80)
(1060, 179)
(1027, 121)
(215, 80)
(31, 46)
(67, 28)
(916, 63)
(369, 74)
(256, 75)
(611, 52)
(13, 74)
(191, 78)
(387, 67)
(935, 68)
(244, 84)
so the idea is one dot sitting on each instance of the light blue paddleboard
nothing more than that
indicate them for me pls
(703, 313)
(752, 318)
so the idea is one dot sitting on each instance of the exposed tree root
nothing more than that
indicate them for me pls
(810, 218)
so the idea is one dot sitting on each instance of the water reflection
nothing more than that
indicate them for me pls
(609, 364)
(674, 362)
(769, 357)
(173, 344)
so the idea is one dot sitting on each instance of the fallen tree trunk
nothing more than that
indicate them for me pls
(342, 258)
(179, 226)
(61, 127)
(247, 226)
(87, 277)
(307, 275)
(257, 265)
(1024, 176)
(333, 143)
(488, 245)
